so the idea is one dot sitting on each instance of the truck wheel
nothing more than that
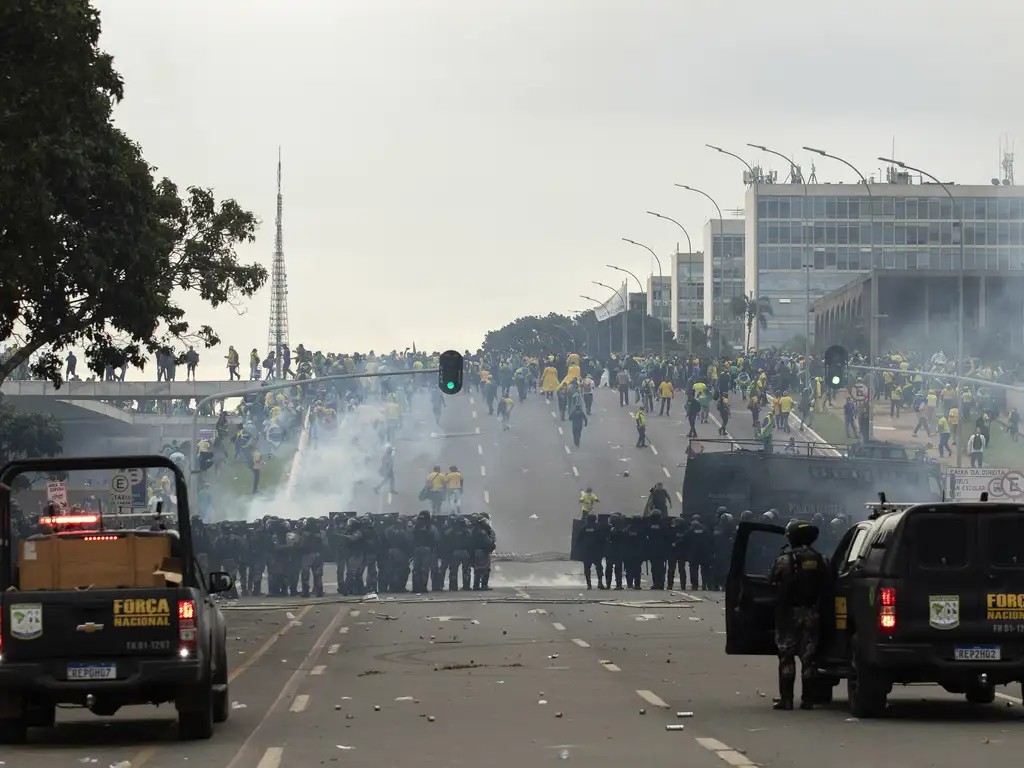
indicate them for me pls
(221, 697)
(195, 713)
(981, 694)
(13, 730)
(818, 690)
(864, 688)
(41, 716)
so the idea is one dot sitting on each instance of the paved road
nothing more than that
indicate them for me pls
(460, 678)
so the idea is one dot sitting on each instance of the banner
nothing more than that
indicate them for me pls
(613, 307)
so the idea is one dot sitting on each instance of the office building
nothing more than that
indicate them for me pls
(688, 308)
(724, 241)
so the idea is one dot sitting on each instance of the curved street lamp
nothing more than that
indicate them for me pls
(625, 315)
(643, 321)
(661, 280)
(689, 280)
(721, 238)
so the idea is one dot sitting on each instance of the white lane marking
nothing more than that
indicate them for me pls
(559, 627)
(566, 448)
(472, 401)
(695, 598)
(521, 593)
(611, 667)
(561, 431)
(389, 497)
(653, 449)
(732, 757)
(554, 415)
(300, 703)
(713, 744)
(581, 643)
(334, 649)
(354, 614)
(1008, 697)
(483, 471)
(343, 631)
(652, 698)
(667, 473)
(474, 414)
(319, 669)
(477, 430)
(576, 472)
(679, 496)
(480, 450)
(271, 758)
(487, 497)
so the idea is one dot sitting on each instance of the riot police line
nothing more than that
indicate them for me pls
(374, 553)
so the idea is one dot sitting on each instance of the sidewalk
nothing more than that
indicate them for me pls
(1001, 452)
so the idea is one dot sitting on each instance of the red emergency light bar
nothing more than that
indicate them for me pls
(70, 520)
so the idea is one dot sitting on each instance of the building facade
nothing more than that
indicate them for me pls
(805, 243)
(659, 298)
(688, 280)
(724, 260)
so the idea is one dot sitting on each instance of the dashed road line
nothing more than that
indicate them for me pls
(477, 430)
(474, 414)
(554, 415)
(561, 431)
(354, 614)
(333, 649)
(1008, 697)
(679, 496)
(300, 703)
(343, 631)
(389, 497)
(581, 643)
(653, 449)
(472, 401)
(271, 758)
(726, 753)
(611, 667)
(483, 471)
(575, 472)
(559, 627)
(319, 669)
(667, 473)
(714, 745)
(567, 449)
(652, 698)
(480, 450)
(487, 497)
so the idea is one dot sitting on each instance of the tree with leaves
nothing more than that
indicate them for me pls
(752, 311)
(533, 335)
(28, 435)
(95, 251)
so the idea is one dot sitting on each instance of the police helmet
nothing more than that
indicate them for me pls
(722, 511)
(591, 517)
(800, 533)
(725, 519)
(770, 516)
(746, 515)
(817, 519)
(424, 514)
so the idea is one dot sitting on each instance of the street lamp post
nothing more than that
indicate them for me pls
(661, 279)
(721, 238)
(643, 322)
(807, 264)
(602, 305)
(689, 281)
(958, 209)
(625, 315)
(873, 322)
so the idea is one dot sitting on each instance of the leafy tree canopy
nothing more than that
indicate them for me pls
(28, 435)
(95, 251)
(533, 334)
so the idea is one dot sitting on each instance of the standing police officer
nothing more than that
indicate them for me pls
(800, 577)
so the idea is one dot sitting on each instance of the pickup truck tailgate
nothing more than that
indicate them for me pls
(90, 624)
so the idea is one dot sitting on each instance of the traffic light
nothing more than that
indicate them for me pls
(836, 360)
(450, 373)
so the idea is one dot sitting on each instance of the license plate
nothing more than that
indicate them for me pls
(977, 653)
(92, 671)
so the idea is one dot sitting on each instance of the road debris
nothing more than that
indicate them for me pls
(342, 746)
(238, 705)
(684, 714)
(675, 727)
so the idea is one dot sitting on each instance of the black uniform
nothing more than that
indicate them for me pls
(800, 574)
(589, 540)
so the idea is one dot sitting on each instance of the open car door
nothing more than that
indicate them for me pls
(749, 599)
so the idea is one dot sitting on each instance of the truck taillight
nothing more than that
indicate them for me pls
(186, 628)
(887, 609)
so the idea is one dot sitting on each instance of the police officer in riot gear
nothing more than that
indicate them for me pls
(590, 545)
(799, 575)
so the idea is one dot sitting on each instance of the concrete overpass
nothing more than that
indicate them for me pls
(124, 390)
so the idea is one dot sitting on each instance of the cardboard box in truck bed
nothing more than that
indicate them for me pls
(102, 561)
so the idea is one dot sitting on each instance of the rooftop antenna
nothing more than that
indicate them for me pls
(1006, 161)
(813, 178)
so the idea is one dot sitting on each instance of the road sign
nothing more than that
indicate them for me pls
(859, 392)
(1012, 485)
(128, 488)
(120, 483)
(968, 483)
(57, 492)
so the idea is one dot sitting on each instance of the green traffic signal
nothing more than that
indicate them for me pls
(451, 385)
(835, 381)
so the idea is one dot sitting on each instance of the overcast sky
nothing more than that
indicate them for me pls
(450, 165)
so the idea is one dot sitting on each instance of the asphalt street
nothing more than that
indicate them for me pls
(538, 670)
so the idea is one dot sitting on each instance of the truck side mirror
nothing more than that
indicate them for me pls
(221, 581)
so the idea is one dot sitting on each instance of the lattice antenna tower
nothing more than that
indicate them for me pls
(1006, 161)
(277, 336)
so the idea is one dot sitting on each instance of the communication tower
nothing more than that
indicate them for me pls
(277, 336)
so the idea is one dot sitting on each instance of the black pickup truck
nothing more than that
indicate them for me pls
(928, 593)
(97, 613)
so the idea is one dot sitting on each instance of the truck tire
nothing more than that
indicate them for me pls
(865, 690)
(981, 694)
(195, 713)
(819, 690)
(221, 695)
(41, 716)
(13, 730)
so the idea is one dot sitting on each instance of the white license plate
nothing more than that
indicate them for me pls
(92, 671)
(977, 653)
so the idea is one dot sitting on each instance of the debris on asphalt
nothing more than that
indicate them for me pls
(558, 714)
(376, 707)
(403, 698)
(342, 746)
(370, 672)
(542, 701)
(337, 707)
(553, 656)
(648, 617)
(370, 598)
(675, 727)
(237, 705)
(385, 616)
(122, 764)
(643, 711)
(695, 618)
(539, 611)
(430, 718)
(534, 517)
(852, 720)
(684, 714)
